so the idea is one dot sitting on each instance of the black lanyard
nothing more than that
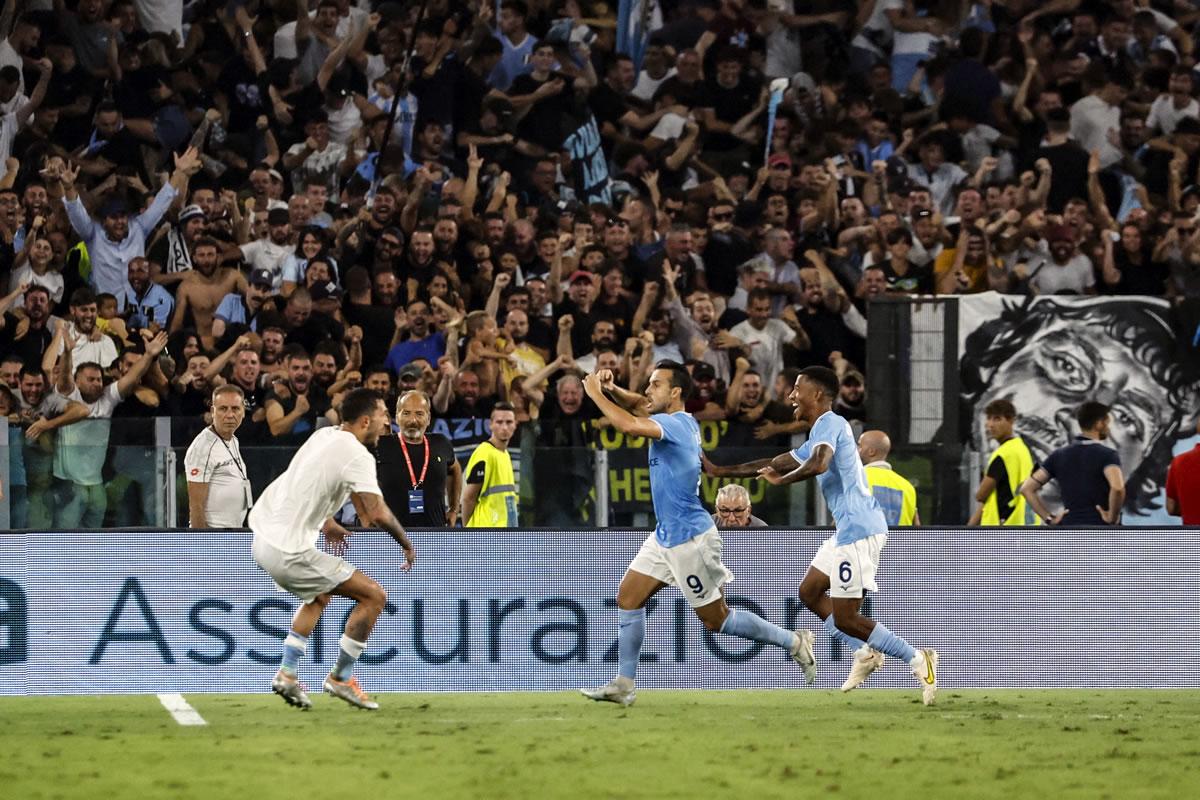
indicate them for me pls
(232, 457)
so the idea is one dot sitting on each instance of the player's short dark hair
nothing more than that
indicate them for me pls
(359, 403)
(1001, 408)
(1091, 414)
(503, 405)
(824, 377)
(680, 378)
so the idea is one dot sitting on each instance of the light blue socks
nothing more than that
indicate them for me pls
(629, 640)
(749, 625)
(890, 644)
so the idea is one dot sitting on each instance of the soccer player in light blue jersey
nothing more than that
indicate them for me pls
(685, 548)
(846, 563)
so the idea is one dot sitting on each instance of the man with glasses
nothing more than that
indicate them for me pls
(733, 508)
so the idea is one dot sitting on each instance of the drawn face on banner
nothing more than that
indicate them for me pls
(1049, 356)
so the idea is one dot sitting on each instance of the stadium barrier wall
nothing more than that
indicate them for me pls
(188, 611)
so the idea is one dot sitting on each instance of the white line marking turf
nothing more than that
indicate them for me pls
(180, 710)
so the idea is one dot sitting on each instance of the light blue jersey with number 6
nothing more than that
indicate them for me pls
(855, 511)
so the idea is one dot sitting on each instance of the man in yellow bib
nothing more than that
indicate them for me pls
(489, 498)
(895, 495)
(1000, 490)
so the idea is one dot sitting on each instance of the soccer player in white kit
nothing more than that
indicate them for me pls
(290, 517)
(851, 555)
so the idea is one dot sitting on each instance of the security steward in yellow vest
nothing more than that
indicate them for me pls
(999, 492)
(895, 495)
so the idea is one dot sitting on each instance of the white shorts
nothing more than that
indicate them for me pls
(694, 566)
(305, 574)
(851, 567)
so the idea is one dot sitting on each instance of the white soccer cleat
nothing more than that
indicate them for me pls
(925, 670)
(619, 690)
(802, 654)
(866, 661)
(351, 692)
(291, 690)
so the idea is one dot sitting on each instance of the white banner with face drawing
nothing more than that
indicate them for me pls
(1049, 354)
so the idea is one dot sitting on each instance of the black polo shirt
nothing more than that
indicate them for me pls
(1079, 469)
(395, 481)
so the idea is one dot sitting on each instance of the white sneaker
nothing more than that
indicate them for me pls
(291, 690)
(619, 690)
(866, 661)
(802, 654)
(925, 670)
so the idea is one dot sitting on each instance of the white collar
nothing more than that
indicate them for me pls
(880, 464)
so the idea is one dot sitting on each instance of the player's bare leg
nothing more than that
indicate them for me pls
(369, 601)
(635, 591)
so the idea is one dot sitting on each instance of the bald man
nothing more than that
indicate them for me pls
(895, 495)
(418, 473)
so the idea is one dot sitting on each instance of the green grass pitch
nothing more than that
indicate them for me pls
(688, 744)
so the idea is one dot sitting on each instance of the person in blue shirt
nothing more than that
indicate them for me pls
(685, 548)
(851, 555)
(1089, 475)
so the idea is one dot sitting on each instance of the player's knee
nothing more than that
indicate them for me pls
(810, 593)
(713, 623)
(378, 596)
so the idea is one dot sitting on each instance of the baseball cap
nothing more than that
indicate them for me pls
(326, 291)
(262, 277)
(410, 372)
(703, 371)
(779, 159)
(580, 275)
(278, 216)
(191, 212)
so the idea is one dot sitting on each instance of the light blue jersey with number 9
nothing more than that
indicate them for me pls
(675, 480)
(855, 511)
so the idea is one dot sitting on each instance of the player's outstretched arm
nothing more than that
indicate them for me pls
(749, 469)
(814, 465)
(372, 511)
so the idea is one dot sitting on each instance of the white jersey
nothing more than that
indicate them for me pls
(318, 482)
(214, 461)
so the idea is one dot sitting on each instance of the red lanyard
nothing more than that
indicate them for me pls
(412, 476)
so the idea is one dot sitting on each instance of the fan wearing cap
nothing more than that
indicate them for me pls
(174, 251)
(243, 311)
(114, 239)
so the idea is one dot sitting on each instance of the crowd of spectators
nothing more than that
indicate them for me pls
(275, 195)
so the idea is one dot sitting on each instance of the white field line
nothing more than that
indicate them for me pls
(180, 710)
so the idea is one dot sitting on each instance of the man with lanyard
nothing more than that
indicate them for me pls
(219, 493)
(418, 493)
